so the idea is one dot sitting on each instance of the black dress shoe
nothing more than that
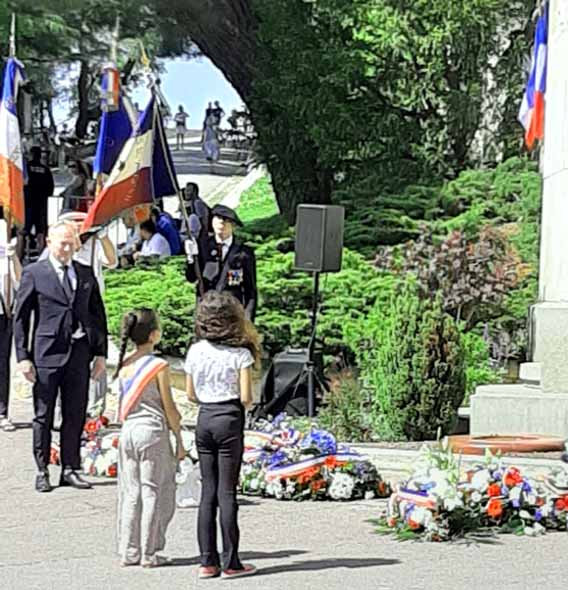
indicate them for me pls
(72, 478)
(42, 483)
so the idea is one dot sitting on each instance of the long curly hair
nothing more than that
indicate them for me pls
(137, 325)
(220, 318)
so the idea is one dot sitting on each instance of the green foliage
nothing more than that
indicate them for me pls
(285, 300)
(478, 370)
(381, 92)
(411, 362)
(345, 411)
(162, 287)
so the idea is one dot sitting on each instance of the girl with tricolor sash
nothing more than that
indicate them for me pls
(219, 378)
(146, 462)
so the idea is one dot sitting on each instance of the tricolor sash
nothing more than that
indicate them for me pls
(131, 388)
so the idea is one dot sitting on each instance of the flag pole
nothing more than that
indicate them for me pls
(162, 135)
(9, 214)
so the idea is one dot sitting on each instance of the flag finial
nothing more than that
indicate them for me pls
(114, 44)
(13, 36)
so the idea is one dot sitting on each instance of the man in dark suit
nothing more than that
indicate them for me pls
(225, 263)
(69, 330)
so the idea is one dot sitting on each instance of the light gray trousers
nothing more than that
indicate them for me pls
(146, 488)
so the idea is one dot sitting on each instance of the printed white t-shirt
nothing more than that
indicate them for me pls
(214, 369)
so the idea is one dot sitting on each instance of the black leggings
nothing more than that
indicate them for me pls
(219, 438)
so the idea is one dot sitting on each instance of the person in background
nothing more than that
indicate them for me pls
(180, 120)
(153, 243)
(76, 190)
(211, 146)
(9, 263)
(218, 114)
(219, 378)
(133, 242)
(226, 264)
(166, 226)
(54, 351)
(194, 204)
(146, 463)
(36, 194)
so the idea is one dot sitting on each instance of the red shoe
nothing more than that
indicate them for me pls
(247, 570)
(208, 571)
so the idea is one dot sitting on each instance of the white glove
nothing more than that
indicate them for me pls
(103, 233)
(10, 251)
(191, 249)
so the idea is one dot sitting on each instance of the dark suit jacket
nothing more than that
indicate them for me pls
(236, 274)
(42, 295)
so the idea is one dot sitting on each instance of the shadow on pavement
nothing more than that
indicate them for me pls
(245, 556)
(22, 425)
(107, 482)
(326, 564)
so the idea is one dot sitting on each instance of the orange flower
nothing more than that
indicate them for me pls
(112, 470)
(413, 524)
(391, 522)
(561, 504)
(513, 477)
(494, 508)
(494, 490)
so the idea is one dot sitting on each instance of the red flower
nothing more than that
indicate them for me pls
(317, 485)
(91, 426)
(104, 421)
(112, 470)
(413, 524)
(561, 504)
(512, 477)
(391, 522)
(494, 490)
(494, 508)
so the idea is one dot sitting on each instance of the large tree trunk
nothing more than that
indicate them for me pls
(225, 32)
(83, 93)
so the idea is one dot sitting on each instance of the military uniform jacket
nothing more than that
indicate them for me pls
(236, 274)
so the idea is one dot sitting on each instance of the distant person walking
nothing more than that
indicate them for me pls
(211, 140)
(218, 113)
(180, 121)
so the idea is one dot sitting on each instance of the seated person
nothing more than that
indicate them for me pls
(153, 244)
(166, 226)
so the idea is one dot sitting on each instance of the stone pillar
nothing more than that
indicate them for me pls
(551, 313)
(530, 408)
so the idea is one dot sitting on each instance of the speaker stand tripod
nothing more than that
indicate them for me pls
(310, 370)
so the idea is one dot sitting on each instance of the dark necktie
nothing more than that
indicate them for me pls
(67, 283)
(220, 254)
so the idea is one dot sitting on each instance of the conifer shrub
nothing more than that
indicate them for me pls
(412, 364)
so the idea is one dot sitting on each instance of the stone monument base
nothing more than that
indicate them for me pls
(518, 409)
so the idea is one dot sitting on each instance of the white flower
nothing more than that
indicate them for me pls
(525, 515)
(515, 493)
(476, 497)
(369, 495)
(452, 503)
(254, 484)
(480, 480)
(341, 487)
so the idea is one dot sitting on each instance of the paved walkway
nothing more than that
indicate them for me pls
(65, 540)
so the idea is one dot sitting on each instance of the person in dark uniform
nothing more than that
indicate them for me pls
(36, 194)
(225, 264)
(69, 331)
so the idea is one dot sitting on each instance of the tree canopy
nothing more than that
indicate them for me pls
(347, 96)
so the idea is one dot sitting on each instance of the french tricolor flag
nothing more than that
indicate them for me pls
(143, 172)
(11, 158)
(531, 114)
